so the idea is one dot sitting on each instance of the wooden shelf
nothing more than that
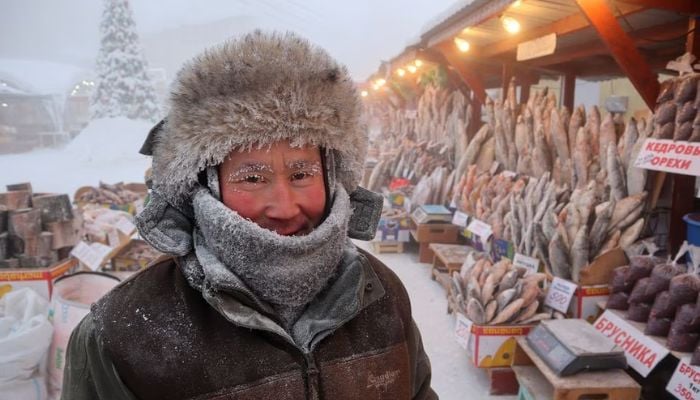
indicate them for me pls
(615, 383)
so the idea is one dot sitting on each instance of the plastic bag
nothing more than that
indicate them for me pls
(657, 326)
(662, 307)
(639, 312)
(661, 277)
(620, 281)
(25, 336)
(70, 302)
(639, 293)
(618, 301)
(684, 289)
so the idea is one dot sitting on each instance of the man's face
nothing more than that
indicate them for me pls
(280, 188)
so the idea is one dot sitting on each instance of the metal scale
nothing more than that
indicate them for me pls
(569, 346)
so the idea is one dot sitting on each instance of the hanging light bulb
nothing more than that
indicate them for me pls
(400, 72)
(364, 93)
(381, 82)
(517, 3)
(510, 24)
(462, 45)
(412, 69)
(375, 86)
(418, 63)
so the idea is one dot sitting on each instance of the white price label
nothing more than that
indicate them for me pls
(463, 330)
(480, 228)
(460, 219)
(559, 294)
(407, 204)
(101, 250)
(113, 237)
(684, 382)
(87, 255)
(125, 226)
(531, 264)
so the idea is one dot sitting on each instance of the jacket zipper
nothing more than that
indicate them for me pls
(312, 377)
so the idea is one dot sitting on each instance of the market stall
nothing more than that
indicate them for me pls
(470, 119)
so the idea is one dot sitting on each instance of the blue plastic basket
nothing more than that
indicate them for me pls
(692, 220)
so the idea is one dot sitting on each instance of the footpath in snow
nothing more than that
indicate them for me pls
(454, 376)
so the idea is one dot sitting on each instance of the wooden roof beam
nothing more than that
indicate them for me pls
(691, 7)
(622, 48)
(663, 31)
(570, 24)
(468, 75)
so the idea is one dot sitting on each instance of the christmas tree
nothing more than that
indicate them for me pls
(123, 87)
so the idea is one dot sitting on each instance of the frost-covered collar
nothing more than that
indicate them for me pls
(284, 271)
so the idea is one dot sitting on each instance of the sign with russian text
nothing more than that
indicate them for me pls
(542, 46)
(463, 330)
(559, 294)
(480, 228)
(460, 219)
(669, 156)
(685, 382)
(531, 264)
(642, 352)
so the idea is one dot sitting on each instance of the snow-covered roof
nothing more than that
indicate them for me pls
(41, 77)
(443, 16)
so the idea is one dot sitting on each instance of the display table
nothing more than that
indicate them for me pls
(448, 258)
(538, 381)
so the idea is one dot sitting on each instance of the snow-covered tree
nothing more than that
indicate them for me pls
(123, 87)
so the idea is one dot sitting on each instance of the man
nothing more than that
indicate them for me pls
(255, 196)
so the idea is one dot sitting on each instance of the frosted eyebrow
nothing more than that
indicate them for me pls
(313, 166)
(251, 167)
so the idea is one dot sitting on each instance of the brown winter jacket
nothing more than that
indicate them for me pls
(155, 337)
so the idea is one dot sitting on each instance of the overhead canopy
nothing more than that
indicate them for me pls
(648, 34)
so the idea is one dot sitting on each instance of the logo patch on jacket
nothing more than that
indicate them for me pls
(383, 381)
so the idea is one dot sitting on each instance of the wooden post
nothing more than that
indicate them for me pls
(622, 48)
(683, 197)
(569, 91)
(470, 77)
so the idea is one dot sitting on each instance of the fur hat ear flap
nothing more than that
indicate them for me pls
(147, 146)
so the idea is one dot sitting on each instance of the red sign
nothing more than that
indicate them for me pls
(669, 156)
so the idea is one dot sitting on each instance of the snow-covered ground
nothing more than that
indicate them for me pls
(107, 150)
(454, 375)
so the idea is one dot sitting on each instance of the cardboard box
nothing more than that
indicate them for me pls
(475, 241)
(38, 279)
(493, 345)
(600, 270)
(393, 229)
(584, 304)
(425, 254)
(434, 232)
(502, 249)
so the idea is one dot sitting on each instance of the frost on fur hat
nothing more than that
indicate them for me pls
(251, 92)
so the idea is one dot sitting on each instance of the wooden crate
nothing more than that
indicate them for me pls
(538, 381)
(387, 247)
(447, 258)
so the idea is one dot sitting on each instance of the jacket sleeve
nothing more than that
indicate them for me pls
(421, 367)
(89, 373)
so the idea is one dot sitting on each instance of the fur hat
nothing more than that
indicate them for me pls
(249, 93)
